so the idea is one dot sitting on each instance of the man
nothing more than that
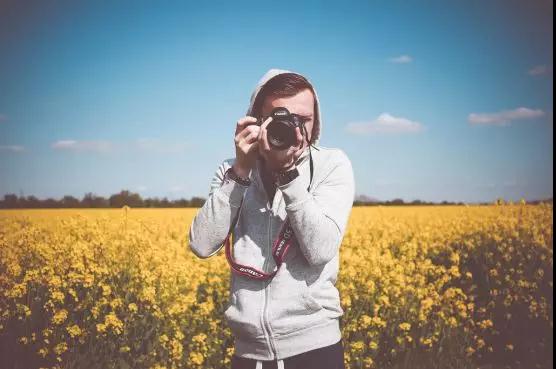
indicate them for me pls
(284, 307)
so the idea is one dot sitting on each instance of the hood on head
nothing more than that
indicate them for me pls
(317, 129)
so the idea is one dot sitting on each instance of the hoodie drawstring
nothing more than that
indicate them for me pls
(260, 364)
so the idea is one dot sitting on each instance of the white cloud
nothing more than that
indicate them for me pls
(177, 189)
(540, 70)
(149, 145)
(402, 59)
(12, 148)
(141, 188)
(385, 123)
(160, 146)
(73, 145)
(505, 117)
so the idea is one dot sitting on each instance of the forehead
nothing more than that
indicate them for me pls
(301, 103)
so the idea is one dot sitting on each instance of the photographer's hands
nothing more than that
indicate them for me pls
(279, 160)
(251, 140)
(246, 143)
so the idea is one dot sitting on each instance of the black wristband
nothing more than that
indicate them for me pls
(233, 175)
(283, 177)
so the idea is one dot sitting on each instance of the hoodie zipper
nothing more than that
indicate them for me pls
(266, 326)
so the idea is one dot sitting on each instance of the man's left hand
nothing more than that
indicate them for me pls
(279, 160)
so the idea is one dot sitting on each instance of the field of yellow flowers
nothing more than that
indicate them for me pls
(422, 287)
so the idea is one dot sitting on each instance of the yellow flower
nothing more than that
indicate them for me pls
(199, 338)
(427, 303)
(112, 321)
(57, 296)
(60, 317)
(452, 322)
(196, 358)
(384, 300)
(101, 328)
(116, 303)
(60, 348)
(358, 346)
(106, 290)
(403, 270)
(366, 321)
(163, 339)
(74, 330)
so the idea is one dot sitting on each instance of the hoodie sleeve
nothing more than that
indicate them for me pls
(213, 220)
(319, 219)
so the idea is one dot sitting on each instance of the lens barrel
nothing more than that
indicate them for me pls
(281, 130)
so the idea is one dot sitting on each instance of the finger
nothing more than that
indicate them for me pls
(253, 136)
(254, 129)
(267, 121)
(245, 142)
(243, 122)
(299, 137)
(296, 149)
(247, 131)
(263, 140)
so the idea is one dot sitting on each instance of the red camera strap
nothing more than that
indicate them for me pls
(281, 245)
(280, 248)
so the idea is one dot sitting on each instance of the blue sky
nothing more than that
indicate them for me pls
(431, 100)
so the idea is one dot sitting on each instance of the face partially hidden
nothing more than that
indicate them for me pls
(301, 104)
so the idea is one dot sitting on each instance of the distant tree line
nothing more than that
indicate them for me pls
(134, 200)
(90, 200)
(397, 202)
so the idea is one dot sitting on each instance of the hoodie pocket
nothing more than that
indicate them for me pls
(293, 309)
(310, 301)
(243, 314)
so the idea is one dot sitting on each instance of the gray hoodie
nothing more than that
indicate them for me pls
(298, 310)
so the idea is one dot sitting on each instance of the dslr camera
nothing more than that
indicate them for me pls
(281, 130)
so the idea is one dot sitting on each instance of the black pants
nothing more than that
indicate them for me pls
(329, 357)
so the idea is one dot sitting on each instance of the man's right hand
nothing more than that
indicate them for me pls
(246, 142)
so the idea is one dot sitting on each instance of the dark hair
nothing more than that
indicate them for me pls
(285, 85)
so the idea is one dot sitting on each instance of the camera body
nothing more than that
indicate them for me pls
(281, 130)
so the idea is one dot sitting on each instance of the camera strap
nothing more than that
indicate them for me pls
(280, 247)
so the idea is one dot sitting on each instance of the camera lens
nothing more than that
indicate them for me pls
(280, 134)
